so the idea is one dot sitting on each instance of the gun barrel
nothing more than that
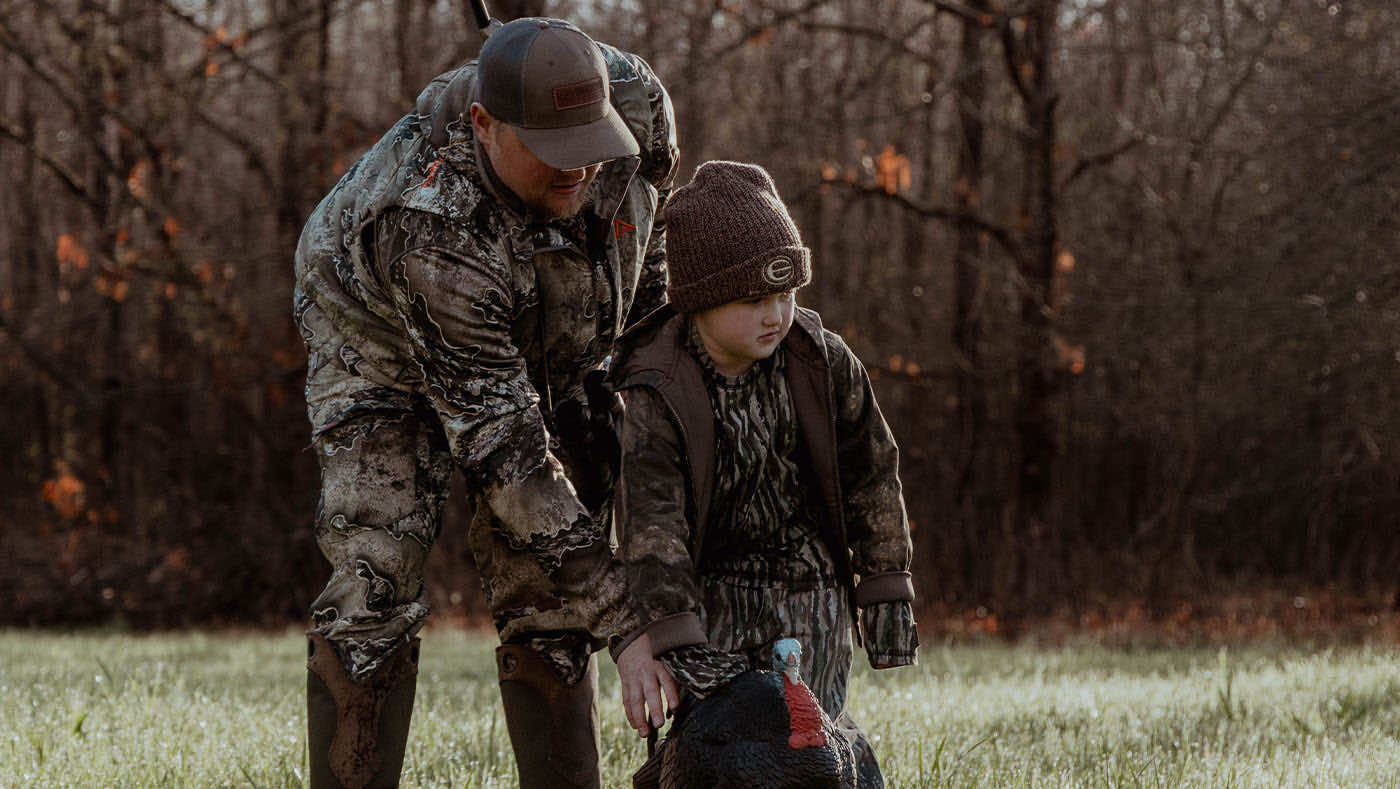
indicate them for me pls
(483, 17)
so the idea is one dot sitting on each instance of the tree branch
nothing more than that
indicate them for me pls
(999, 233)
(46, 367)
(958, 10)
(900, 43)
(223, 46)
(1232, 95)
(1088, 163)
(749, 32)
(63, 172)
(1013, 51)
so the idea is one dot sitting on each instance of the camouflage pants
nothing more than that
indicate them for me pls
(384, 477)
(746, 616)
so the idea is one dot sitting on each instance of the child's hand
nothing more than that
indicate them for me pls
(644, 684)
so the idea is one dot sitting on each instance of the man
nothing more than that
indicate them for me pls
(459, 291)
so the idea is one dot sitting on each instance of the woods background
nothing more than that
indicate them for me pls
(1125, 272)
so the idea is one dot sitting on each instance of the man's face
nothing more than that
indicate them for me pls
(548, 192)
(741, 332)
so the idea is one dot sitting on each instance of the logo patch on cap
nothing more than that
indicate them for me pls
(778, 271)
(579, 94)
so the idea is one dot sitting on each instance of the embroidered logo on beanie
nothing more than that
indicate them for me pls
(778, 271)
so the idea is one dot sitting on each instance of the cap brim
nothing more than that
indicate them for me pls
(572, 147)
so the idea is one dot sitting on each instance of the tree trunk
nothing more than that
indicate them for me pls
(968, 255)
(1038, 370)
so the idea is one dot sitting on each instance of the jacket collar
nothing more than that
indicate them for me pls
(656, 344)
(495, 187)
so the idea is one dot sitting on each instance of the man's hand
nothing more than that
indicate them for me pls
(644, 682)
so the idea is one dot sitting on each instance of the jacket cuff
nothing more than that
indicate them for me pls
(879, 660)
(885, 587)
(617, 644)
(675, 630)
(666, 633)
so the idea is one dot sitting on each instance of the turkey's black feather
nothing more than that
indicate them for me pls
(737, 738)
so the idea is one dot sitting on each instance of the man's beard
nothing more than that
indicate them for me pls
(562, 207)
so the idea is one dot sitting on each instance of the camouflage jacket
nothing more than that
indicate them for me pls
(848, 458)
(417, 278)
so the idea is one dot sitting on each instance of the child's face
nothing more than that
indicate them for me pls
(741, 332)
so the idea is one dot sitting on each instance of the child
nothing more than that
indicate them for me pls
(760, 495)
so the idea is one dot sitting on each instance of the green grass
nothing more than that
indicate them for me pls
(110, 709)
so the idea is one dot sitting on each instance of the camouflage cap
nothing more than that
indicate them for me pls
(548, 79)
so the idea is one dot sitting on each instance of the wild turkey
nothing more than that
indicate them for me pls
(763, 729)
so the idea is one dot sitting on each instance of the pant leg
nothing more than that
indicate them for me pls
(384, 476)
(548, 678)
(824, 616)
(576, 604)
(748, 617)
(868, 773)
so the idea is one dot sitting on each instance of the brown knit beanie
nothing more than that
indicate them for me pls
(729, 237)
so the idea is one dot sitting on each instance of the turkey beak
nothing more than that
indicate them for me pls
(792, 674)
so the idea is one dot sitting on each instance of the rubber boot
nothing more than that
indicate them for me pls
(357, 731)
(553, 726)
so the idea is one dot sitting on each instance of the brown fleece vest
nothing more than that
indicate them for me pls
(659, 360)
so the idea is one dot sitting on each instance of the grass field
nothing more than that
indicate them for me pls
(108, 709)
